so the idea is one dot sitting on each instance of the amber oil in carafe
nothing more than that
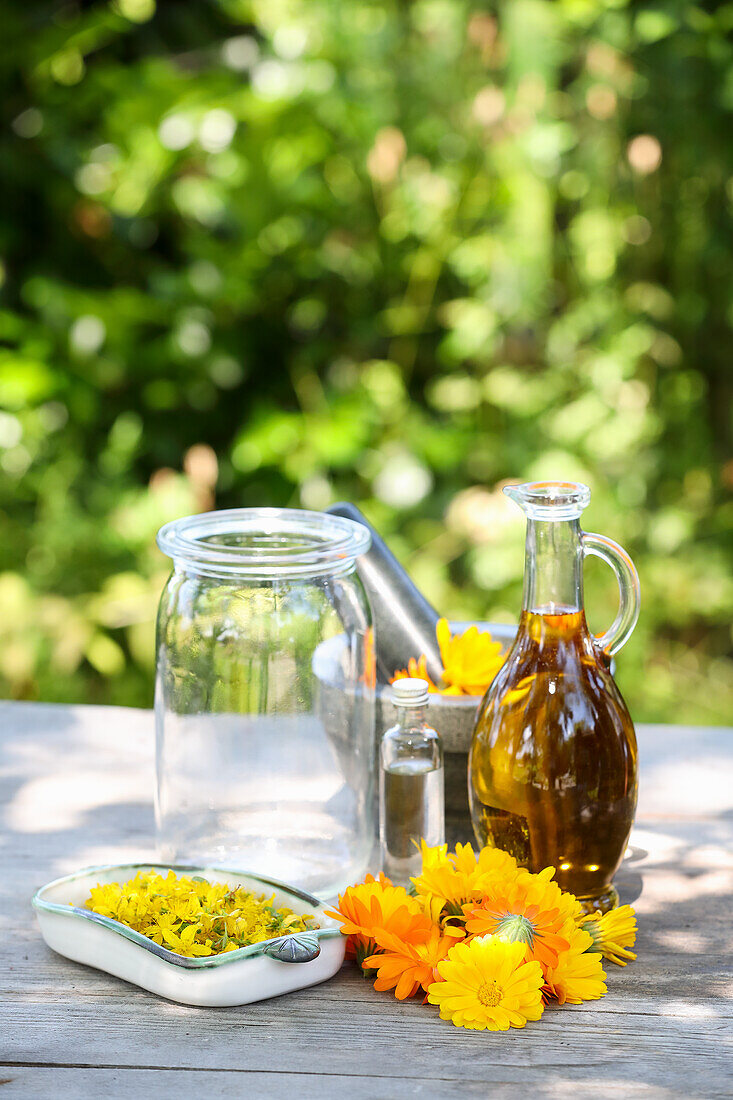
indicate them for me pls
(552, 769)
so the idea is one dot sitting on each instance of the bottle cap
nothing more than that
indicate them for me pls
(410, 691)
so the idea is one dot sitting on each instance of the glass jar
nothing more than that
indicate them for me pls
(264, 697)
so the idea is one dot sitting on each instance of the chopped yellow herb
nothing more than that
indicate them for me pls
(194, 917)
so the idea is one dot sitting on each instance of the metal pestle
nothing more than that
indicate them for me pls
(404, 621)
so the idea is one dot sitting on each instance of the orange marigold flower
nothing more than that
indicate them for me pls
(416, 668)
(407, 967)
(517, 913)
(543, 885)
(370, 668)
(376, 906)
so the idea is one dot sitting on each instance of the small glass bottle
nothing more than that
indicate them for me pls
(411, 784)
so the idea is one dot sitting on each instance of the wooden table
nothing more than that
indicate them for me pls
(76, 786)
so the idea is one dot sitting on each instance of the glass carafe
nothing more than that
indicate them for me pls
(553, 762)
(265, 697)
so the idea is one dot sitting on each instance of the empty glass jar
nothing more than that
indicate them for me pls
(265, 697)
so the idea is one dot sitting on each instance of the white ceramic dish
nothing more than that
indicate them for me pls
(253, 973)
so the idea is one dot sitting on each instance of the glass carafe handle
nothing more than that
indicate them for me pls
(598, 546)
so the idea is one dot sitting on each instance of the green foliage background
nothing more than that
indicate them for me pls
(291, 251)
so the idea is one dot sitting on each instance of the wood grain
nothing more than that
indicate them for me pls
(75, 788)
(80, 1083)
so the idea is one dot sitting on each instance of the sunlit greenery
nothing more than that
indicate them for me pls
(291, 251)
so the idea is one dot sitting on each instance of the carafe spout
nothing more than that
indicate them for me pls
(550, 500)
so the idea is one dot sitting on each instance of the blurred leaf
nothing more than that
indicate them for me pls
(397, 253)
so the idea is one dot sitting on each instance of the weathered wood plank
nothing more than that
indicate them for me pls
(82, 1083)
(75, 789)
(406, 1045)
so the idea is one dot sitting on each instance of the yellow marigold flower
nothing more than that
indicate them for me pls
(374, 907)
(579, 974)
(519, 912)
(440, 886)
(492, 865)
(194, 917)
(470, 660)
(613, 933)
(448, 880)
(488, 985)
(407, 967)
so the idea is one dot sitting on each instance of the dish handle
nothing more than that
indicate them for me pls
(302, 947)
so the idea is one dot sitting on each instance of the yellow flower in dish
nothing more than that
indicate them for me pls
(185, 943)
(613, 933)
(407, 967)
(376, 906)
(488, 985)
(470, 660)
(516, 912)
(579, 974)
(194, 917)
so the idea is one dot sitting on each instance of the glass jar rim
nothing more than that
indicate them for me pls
(275, 542)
